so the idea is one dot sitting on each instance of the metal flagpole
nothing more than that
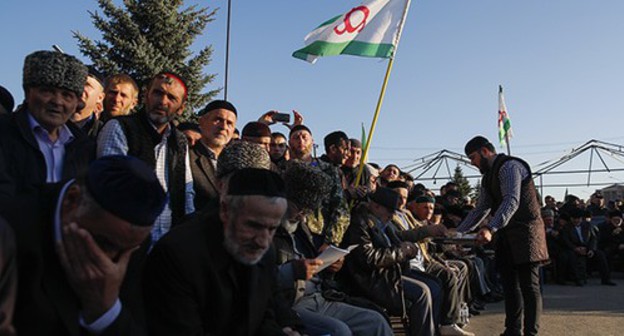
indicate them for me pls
(227, 50)
(381, 97)
(507, 142)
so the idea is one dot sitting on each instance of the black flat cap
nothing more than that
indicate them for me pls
(127, 188)
(386, 197)
(254, 181)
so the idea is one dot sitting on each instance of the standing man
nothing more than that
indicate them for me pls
(93, 97)
(217, 122)
(37, 144)
(279, 149)
(150, 136)
(508, 190)
(122, 95)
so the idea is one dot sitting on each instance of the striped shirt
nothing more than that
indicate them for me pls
(511, 175)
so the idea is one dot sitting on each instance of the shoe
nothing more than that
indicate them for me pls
(473, 312)
(609, 283)
(453, 330)
(579, 283)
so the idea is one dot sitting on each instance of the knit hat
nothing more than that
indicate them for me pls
(475, 144)
(218, 104)
(306, 186)
(242, 154)
(254, 181)
(127, 188)
(256, 129)
(297, 128)
(55, 69)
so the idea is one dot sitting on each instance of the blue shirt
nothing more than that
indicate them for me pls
(53, 151)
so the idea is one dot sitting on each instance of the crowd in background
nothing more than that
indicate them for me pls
(119, 220)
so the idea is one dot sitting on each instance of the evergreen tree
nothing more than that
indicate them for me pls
(150, 36)
(463, 185)
(476, 191)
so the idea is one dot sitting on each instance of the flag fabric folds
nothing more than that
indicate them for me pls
(504, 123)
(371, 29)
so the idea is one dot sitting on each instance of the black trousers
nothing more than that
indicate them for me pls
(521, 287)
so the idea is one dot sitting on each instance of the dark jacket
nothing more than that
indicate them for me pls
(142, 138)
(194, 287)
(375, 267)
(525, 233)
(46, 304)
(571, 240)
(22, 165)
(204, 176)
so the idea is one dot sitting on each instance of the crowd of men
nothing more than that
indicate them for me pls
(118, 220)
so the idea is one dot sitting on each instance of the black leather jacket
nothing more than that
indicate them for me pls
(375, 267)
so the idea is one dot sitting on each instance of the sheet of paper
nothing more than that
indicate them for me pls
(332, 254)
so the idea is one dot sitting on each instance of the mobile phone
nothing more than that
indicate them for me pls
(281, 117)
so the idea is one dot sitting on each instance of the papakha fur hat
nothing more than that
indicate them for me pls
(306, 186)
(56, 69)
(242, 154)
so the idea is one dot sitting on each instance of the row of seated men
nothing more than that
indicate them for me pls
(121, 245)
(578, 246)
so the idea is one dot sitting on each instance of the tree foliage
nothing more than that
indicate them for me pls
(463, 186)
(150, 36)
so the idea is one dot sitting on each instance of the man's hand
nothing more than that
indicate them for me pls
(580, 250)
(290, 331)
(484, 236)
(336, 266)
(590, 254)
(267, 118)
(311, 267)
(94, 277)
(298, 120)
(437, 230)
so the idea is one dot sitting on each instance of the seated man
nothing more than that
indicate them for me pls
(215, 275)
(612, 236)
(8, 278)
(318, 307)
(73, 250)
(580, 239)
(375, 268)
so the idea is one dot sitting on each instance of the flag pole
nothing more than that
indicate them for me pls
(227, 50)
(507, 142)
(371, 131)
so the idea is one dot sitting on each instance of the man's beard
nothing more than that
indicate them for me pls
(484, 167)
(235, 249)
(160, 120)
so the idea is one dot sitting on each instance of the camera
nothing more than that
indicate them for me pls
(281, 117)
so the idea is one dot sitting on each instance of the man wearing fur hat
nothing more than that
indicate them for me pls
(329, 223)
(151, 136)
(37, 143)
(322, 310)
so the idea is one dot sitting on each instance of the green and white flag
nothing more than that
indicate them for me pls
(372, 29)
(504, 123)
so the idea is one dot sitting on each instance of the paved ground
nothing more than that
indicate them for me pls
(594, 310)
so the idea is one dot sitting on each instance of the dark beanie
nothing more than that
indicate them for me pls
(397, 184)
(299, 128)
(218, 104)
(55, 69)
(256, 129)
(127, 188)
(475, 144)
(424, 199)
(254, 181)
(386, 197)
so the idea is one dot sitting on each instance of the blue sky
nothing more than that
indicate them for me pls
(559, 61)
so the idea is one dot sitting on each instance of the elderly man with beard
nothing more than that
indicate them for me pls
(508, 191)
(150, 136)
(216, 276)
(217, 122)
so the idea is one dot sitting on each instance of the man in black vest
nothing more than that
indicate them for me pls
(150, 136)
(507, 189)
